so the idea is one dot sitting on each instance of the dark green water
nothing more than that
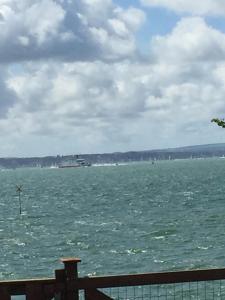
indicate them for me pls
(121, 219)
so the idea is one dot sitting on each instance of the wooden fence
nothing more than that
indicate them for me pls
(197, 284)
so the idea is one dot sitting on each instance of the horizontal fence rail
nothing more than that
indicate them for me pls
(33, 289)
(185, 285)
(151, 278)
(196, 284)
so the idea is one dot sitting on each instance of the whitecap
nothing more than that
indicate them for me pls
(159, 237)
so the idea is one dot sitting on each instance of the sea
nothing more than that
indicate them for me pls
(118, 219)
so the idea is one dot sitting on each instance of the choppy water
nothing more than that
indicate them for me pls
(121, 219)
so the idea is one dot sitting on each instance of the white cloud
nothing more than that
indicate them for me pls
(8, 97)
(200, 7)
(78, 30)
(78, 94)
(97, 106)
(43, 19)
(132, 17)
(192, 40)
(99, 99)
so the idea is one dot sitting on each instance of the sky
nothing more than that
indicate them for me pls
(94, 76)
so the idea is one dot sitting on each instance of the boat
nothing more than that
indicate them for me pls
(80, 162)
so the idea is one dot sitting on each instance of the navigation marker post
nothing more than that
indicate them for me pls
(19, 191)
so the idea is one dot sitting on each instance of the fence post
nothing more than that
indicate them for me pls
(60, 278)
(71, 273)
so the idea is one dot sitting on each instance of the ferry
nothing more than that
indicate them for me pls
(80, 162)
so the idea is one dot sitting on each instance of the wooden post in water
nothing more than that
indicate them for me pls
(19, 191)
(71, 274)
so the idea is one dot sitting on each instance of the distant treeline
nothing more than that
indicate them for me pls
(202, 151)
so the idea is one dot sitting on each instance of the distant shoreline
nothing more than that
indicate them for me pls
(197, 151)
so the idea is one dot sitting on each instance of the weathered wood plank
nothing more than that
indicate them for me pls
(34, 292)
(4, 293)
(149, 278)
(60, 286)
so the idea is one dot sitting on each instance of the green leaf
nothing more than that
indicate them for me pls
(219, 122)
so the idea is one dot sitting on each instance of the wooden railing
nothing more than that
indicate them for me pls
(66, 284)
(45, 289)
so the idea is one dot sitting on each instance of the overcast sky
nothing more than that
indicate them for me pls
(88, 76)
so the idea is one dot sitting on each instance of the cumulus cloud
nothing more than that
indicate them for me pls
(200, 7)
(192, 40)
(79, 94)
(8, 97)
(172, 96)
(72, 30)
(77, 88)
